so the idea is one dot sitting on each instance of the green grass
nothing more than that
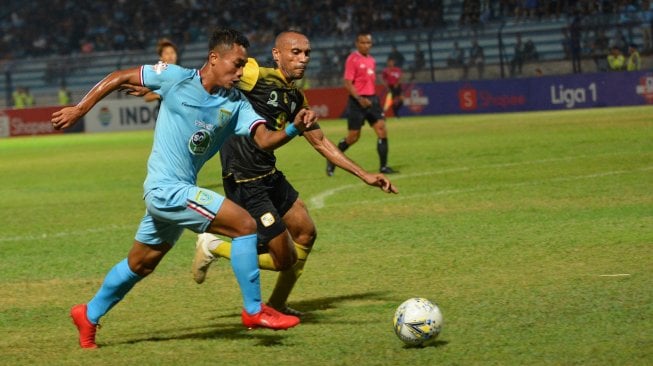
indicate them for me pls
(510, 222)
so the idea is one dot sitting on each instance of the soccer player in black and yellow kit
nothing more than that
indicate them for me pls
(286, 232)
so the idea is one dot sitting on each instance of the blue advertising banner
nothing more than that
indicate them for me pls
(530, 94)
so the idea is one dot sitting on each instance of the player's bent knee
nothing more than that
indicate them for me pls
(143, 259)
(246, 226)
(306, 237)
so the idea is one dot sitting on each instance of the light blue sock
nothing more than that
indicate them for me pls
(244, 262)
(116, 285)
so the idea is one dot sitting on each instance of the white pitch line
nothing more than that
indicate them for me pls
(615, 275)
(317, 202)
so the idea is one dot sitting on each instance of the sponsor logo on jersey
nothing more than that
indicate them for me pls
(199, 143)
(159, 67)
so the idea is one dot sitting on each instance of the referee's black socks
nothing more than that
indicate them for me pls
(343, 145)
(382, 149)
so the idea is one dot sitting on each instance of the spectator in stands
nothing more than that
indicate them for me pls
(531, 8)
(600, 50)
(471, 12)
(647, 25)
(517, 57)
(18, 98)
(634, 62)
(397, 56)
(419, 61)
(477, 58)
(618, 40)
(109, 25)
(616, 60)
(530, 51)
(28, 98)
(456, 58)
(63, 95)
(575, 39)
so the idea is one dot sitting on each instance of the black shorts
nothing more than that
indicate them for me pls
(357, 115)
(266, 199)
(395, 90)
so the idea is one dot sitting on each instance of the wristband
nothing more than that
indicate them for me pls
(291, 130)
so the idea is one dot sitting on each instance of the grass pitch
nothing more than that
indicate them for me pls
(533, 232)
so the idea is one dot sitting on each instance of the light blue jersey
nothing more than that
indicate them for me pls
(190, 129)
(192, 124)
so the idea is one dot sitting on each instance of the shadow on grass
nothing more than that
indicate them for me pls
(310, 307)
(230, 331)
(234, 330)
(435, 344)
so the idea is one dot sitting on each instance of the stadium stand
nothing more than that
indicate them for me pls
(113, 40)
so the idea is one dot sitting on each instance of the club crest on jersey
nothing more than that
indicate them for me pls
(199, 142)
(203, 198)
(159, 67)
(282, 118)
(267, 219)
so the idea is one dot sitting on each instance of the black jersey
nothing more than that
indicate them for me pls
(275, 99)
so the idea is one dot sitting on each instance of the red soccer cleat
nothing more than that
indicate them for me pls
(84, 326)
(269, 318)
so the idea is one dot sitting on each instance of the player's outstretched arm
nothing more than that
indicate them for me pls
(271, 140)
(68, 116)
(330, 151)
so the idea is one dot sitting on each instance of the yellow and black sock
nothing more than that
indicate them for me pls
(287, 279)
(223, 250)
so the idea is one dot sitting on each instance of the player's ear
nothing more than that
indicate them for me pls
(212, 57)
(275, 54)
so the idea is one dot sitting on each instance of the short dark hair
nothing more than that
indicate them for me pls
(362, 33)
(225, 38)
(163, 43)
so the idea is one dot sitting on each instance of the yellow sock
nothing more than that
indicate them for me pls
(287, 279)
(265, 260)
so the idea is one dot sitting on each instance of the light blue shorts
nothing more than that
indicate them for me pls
(171, 209)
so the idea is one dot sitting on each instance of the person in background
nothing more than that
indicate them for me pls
(363, 104)
(63, 95)
(397, 56)
(634, 62)
(477, 58)
(391, 77)
(18, 98)
(167, 52)
(419, 61)
(456, 58)
(517, 57)
(28, 98)
(616, 59)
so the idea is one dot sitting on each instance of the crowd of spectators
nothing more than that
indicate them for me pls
(63, 27)
(476, 12)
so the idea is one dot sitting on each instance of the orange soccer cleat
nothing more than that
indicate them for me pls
(84, 326)
(269, 318)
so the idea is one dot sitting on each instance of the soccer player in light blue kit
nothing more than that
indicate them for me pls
(200, 109)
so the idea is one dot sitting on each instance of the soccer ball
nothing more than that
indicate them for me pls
(417, 321)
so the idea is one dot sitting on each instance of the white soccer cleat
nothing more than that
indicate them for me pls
(203, 257)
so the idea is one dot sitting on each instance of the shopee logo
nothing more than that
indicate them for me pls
(468, 99)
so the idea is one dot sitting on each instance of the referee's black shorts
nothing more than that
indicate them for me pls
(357, 115)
